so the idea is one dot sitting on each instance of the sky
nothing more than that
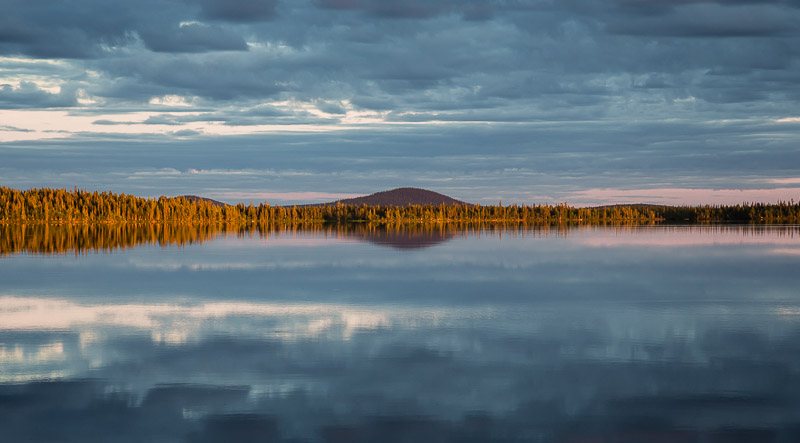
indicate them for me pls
(513, 101)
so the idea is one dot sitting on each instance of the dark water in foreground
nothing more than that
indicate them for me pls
(683, 334)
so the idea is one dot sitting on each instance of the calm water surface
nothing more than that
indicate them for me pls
(598, 334)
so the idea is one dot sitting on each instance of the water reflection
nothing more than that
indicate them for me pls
(80, 239)
(562, 375)
(585, 335)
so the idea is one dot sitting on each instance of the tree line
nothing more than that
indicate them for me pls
(60, 206)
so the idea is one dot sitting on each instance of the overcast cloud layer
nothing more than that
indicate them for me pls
(524, 101)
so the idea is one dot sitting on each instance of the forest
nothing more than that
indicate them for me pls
(62, 206)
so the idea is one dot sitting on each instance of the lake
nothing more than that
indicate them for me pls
(627, 334)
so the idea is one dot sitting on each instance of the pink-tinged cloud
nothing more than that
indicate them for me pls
(682, 196)
(280, 196)
(784, 181)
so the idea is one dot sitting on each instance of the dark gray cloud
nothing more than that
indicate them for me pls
(193, 37)
(219, 76)
(709, 19)
(68, 29)
(95, 29)
(238, 10)
(186, 133)
(526, 53)
(14, 128)
(390, 8)
(28, 95)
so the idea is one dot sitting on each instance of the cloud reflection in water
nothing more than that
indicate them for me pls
(594, 340)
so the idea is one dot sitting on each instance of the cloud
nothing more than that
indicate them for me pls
(193, 37)
(415, 9)
(238, 10)
(104, 122)
(69, 29)
(93, 29)
(217, 76)
(29, 95)
(784, 181)
(186, 133)
(710, 19)
(13, 129)
(331, 108)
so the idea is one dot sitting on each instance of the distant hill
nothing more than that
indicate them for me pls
(403, 197)
(195, 198)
